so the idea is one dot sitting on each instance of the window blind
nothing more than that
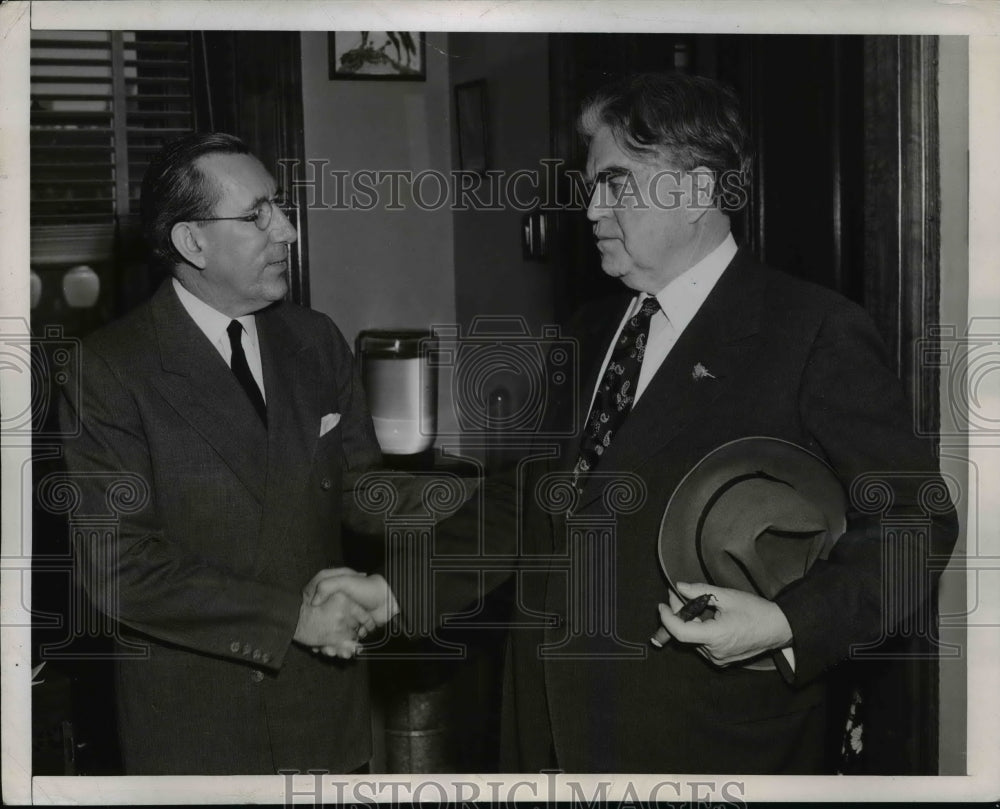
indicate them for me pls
(102, 102)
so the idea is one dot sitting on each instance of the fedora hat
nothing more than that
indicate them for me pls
(752, 515)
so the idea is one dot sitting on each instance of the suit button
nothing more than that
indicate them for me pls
(265, 658)
(257, 676)
(234, 647)
(326, 484)
(256, 654)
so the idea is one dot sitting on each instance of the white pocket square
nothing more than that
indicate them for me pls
(328, 422)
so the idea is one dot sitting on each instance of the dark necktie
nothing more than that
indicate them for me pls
(242, 370)
(616, 392)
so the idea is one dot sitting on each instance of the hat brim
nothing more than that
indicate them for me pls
(811, 477)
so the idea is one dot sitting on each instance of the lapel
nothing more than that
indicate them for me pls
(203, 390)
(720, 338)
(274, 463)
(293, 389)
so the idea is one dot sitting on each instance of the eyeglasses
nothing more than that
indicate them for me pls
(261, 215)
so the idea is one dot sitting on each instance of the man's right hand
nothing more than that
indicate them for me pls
(334, 624)
(371, 592)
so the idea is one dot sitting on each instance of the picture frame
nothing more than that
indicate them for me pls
(471, 117)
(377, 55)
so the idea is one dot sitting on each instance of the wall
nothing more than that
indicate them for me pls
(953, 110)
(416, 268)
(379, 268)
(491, 276)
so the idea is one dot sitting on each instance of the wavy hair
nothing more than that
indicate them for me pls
(175, 190)
(690, 121)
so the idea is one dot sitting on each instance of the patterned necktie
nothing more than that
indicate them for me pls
(242, 370)
(616, 392)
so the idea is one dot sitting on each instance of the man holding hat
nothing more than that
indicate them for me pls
(741, 437)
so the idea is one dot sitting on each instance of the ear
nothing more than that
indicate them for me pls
(702, 193)
(188, 241)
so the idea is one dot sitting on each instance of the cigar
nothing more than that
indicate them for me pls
(695, 607)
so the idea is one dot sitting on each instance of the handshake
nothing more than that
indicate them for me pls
(340, 607)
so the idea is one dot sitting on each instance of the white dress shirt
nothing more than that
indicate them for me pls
(214, 324)
(679, 302)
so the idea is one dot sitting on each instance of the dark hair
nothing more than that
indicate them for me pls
(174, 189)
(693, 121)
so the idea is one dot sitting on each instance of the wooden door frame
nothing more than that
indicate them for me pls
(902, 206)
(902, 293)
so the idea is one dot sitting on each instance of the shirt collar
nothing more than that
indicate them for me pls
(681, 299)
(211, 321)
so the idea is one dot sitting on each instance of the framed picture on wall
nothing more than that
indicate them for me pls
(379, 55)
(471, 111)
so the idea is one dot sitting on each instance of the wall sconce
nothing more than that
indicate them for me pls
(34, 289)
(81, 287)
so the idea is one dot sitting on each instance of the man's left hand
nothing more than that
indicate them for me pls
(744, 625)
(371, 593)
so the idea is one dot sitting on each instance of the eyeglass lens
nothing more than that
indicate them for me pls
(266, 211)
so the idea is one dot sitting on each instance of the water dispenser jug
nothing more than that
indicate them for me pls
(401, 386)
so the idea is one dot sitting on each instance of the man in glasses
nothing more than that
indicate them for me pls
(233, 417)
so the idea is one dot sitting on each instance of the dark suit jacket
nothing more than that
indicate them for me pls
(206, 563)
(208, 567)
(789, 360)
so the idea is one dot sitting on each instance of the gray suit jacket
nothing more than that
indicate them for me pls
(207, 566)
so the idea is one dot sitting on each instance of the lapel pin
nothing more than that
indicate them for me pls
(701, 372)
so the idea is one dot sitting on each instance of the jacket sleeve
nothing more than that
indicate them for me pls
(134, 571)
(472, 553)
(900, 514)
(447, 541)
